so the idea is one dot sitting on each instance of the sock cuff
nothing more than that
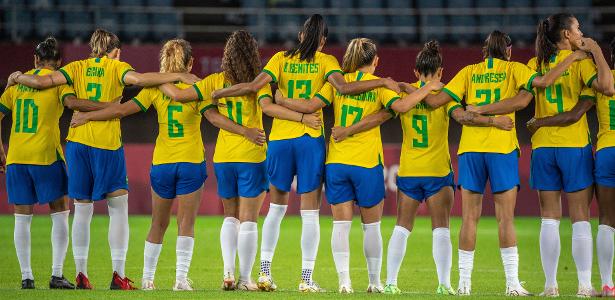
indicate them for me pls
(22, 216)
(606, 227)
(441, 231)
(184, 242)
(509, 251)
(155, 248)
(84, 206)
(60, 214)
(231, 220)
(464, 252)
(341, 222)
(309, 212)
(278, 206)
(547, 221)
(248, 226)
(118, 198)
(402, 230)
(581, 225)
(371, 225)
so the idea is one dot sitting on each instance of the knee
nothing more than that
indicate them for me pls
(160, 224)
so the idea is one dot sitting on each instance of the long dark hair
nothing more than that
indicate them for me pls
(429, 59)
(496, 44)
(549, 33)
(612, 46)
(314, 29)
(48, 52)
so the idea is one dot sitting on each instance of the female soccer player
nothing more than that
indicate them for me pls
(562, 155)
(96, 165)
(487, 153)
(354, 165)
(178, 166)
(294, 148)
(239, 159)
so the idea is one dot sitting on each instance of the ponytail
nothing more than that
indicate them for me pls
(103, 42)
(175, 56)
(548, 34)
(612, 46)
(48, 52)
(429, 59)
(496, 45)
(360, 52)
(314, 29)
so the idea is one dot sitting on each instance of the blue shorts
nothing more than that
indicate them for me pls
(94, 172)
(345, 183)
(605, 167)
(556, 169)
(303, 156)
(31, 184)
(170, 180)
(421, 188)
(242, 179)
(502, 171)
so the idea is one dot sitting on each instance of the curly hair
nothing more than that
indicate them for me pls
(175, 56)
(241, 61)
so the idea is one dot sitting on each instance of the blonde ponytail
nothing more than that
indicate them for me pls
(102, 42)
(360, 52)
(175, 56)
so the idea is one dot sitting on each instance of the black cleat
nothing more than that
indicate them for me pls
(27, 284)
(60, 283)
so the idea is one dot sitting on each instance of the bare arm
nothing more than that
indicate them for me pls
(604, 82)
(506, 106)
(376, 119)
(562, 119)
(299, 105)
(551, 76)
(2, 155)
(279, 112)
(255, 135)
(112, 112)
(83, 105)
(38, 82)
(352, 88)
(242, 89)
(180, 95)
(154, 78)
(412, 99)
(406, 87)
(437, 100)
(473, 119)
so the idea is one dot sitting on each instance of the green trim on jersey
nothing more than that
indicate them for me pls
(139, 104)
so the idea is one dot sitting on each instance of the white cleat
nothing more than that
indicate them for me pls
(587, 292)
(147, 285)
(228, 283)
(345, 289)
(550, 292)
(465, 288)
(517, 291)
(183, 285)
(377, 289)
(265, 283)
(311, 287)
(247, 286)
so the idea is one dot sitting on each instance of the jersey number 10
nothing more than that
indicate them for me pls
(26, 116)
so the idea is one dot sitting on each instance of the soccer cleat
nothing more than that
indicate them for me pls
(183, 285)
(443, 290)
(391, 289)
(119, 283)
(587, 292)
(464, 289)
(345, 289)
(376, 289)
(311, 287)
(550, 292)
(27, 284)
(247, 286)
(265, 283)
(82, 282)
(147, 285)
(608, 291)
(228, 283)
(60, 283)
(518, 290)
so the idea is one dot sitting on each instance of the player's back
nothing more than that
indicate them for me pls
(605, 108)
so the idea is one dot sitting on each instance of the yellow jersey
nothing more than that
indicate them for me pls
(97, 79)
(562, 96)
(244, 110)
(298, 79)
(483, 83)
(35, 133)
(605, 109)
(424, 150)
(179, 126)
(363, 149)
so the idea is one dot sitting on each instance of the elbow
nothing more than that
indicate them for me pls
(343, 89)
(268, 110)
(252, 88)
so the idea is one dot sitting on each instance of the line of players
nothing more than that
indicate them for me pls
(493, 89)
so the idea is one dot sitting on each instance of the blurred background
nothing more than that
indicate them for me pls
(400, 28)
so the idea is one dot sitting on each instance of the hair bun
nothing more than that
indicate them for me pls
(432, 45)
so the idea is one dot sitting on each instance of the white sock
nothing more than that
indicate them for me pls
(183, 251)
(604, 245)
(396, 252)
(582, 248)
(21, 237)
(247, 244)
(340, 246)
(549, 250)
(271, 233)
(442, 251)
(228, 243)
(59, 241)
(466, 264)
(510, 260)
(372, 248)
(151, 252)
(81, 236)
(118, 232)
(310, 239)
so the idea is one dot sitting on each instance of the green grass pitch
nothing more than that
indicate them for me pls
(417, 276)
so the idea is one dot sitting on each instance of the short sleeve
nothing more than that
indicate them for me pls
(69, 71)
(456, 88)
(145, 97)
(6, 101)
(122, 69)
(205, 105)
(387, 97)
(205, 87)
(533, 64)
(452, 106)
(331, 66)
(588, 71)
(64, 91)
(273, 66)
(326, 93)
(524, 76)
(588, 93)
(264, 92)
